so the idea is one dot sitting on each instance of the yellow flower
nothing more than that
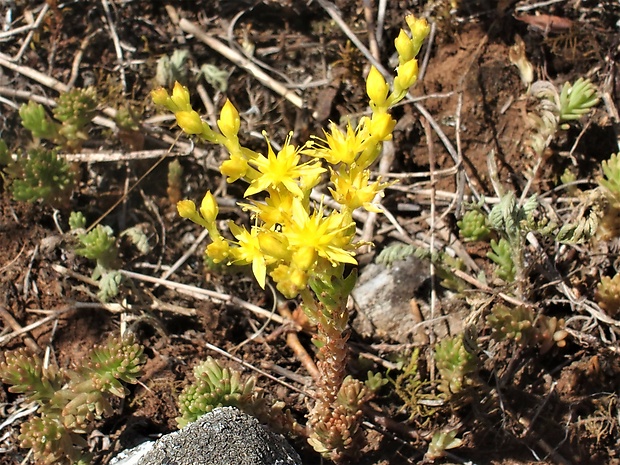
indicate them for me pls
(234, 168)
(274, 245)
(354, 190)
(189, 121)
(187, 209)
(206, 216)
(282, 170)
(376, 87)
(276, 209)
(340, 147)
(249, 251)
(229, 121)
(160, 97)
(315, 235)
(419, 30)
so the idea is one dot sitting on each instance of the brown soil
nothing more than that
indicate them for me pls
(527, 407)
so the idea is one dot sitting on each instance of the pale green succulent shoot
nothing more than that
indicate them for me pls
(577, 99)
(215, 386)
(473, 226)
(454, 363)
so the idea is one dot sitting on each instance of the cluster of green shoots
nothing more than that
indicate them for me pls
(70, 401)
(305, 247)
(73, 113)
(101, 245)
(40, 173)
(555, 109)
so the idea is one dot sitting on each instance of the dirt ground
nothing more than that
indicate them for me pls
(560, 406)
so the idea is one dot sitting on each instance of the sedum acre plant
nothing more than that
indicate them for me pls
(306, 248)
(70, 400)
(41, 175)
(74, 110)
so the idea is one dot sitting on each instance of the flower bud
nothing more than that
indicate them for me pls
(407, 74)
(160, 97)
(189, 121)
(376, 87)
(274, 245)
(404, 47)
(229, 120)
(180, 99)
(208, 208)
(218, 250)
(381, 126)
(186, 208)
(419, 31)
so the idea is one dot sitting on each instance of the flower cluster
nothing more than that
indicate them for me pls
(292, 239)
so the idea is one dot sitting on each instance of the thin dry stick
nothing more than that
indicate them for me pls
(241, 61)
(230, 34)
(27, 27)
(372, 38)
(205, 292)
(380, 20)
(431, 164)
(77, 60)
(109, 156)
(258, 370)
(18, 329)
(298, 349)
(188, 253)
(117, 43)
(30, 35)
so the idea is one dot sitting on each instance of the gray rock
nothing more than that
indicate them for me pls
(225, 436)
(383, 295)
(393, 304)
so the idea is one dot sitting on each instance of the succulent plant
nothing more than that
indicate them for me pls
(454, 363)
(611, 177)
(501, 255)
(527, 329)
(100, 245)
(577, 99)
(38, 122)
(608, 294)
(75, 110)
(41, 175)
(70, 400)
(473, 226)
(512, 323)
(215, 386)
